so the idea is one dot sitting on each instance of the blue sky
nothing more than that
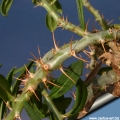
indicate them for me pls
(24, 29)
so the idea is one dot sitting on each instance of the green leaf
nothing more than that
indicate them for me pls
(53, 1)
(104, 69)
(57, 6)
(78, 97)
(39, 107)
(52, 117)
(34, 1)
(21, 71)
(81, 96)
(32, 70)
(5, 6)
(5, 92)
(115, 26)
(10, 76)
(80, 13)
(0, 65)
(2, 108)
(35, 101)
(51, 23)
(74, 71)
(42, 113)
(62, 103)
(32, 114)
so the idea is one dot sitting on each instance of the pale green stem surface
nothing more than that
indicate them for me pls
(61, 22)
(54, 63)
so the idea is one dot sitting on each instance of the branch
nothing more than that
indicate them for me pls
(61, 22)
(96, 14)
(54, 63)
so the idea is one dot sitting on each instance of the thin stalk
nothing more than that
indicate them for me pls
(61, 21)
(51, 105)
(96, 14)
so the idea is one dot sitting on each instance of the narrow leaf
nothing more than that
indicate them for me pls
(35, 101)
(103, 70)
(74, 71)
(2, 108)
(0, 65)
(32, 114)
(57, 6)
(5, 6)
(83, 98)
(5, 92)
(21, 71)
(53, 1)
(34, 1)
(62, 104)
(41, 112)
(10, 76)
(51, 23)
(80, 13)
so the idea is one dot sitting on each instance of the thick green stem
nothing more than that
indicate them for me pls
(54, 63)
(28, 91)
(15, 113)
(51, 105)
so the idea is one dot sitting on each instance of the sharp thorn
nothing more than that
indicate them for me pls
(32, 60)
(8, 105)
(34, 56)
(54, 84)
(18, 117)
(56, 47)
(80, 58)
(63, 17)
(27, 69)
(102, 42)
(102, 16)
(66, 75)
(66, 18)
(39, 51)
(36, 6)
(110, 22)
(86, 27)
(34, 93)
(73, 53)
(87, 53)
(73, 95)
(18, 79)
(45, 84)
(63, 29)
(90, 48)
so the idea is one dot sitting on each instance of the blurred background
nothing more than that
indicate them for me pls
(24, 29)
